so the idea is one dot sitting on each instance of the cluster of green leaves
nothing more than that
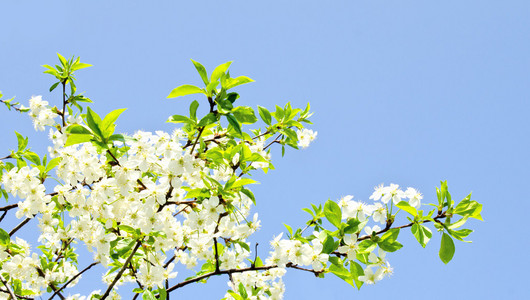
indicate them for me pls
(99, 132)
(64, 73)
(242, 293)
(216, 90)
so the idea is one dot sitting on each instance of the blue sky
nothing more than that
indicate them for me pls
(406, 92)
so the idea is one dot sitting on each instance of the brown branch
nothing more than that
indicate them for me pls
(439, 216)
(64, 103)
(8, 207)
(274, 141)
(113, 157)
(232, 271)
(72, 279)
(120, 273)
(220, 272)
(19, 226)
(196, 140)
(8, 287)
(224, 214)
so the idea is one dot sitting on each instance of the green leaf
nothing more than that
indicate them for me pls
(328, 245)
(460, 234)
(388, 241)
(193, 109)
(79, 66)
(233, 121)
(63, 60)
(245, 114)
(52, 164)
(5, 239)
(366, 246)
(406, 207)
(243, 181)
(162, 293)
(184, 90)
(202, 71)
(265, 115)
(77, 139)
(422, 234)
(333, 213)
(225, 106)
(180, 119)
(232, 97)
(77, 129)
(343, 273)
(210, 118)
(54, 86)
(356, 270)
(108, 124)
(249, 194)
(354, 225)
(22, 142)
(94, 122)
(233, 82)
(148, 295)
(469, 208)
(33, 157)
(242, 290)
(447, 248)
(235, 295)
(219, 70)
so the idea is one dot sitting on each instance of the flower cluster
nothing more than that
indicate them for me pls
(40, 113)
(394, 193)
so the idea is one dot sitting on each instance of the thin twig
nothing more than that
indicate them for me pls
(73, 278)
(197, 139)
(8, 207)
(19, 226)
(8, 287)
(120, 273)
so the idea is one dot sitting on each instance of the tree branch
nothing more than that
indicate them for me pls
(73, 278)
(120, 273)
(8, 287)
(19, 226)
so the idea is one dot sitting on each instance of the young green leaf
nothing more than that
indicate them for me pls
(4, 238)
(447, 248)
(245, 114)
(406, 207)
(180, 119)
(333, 213)
(233, 82)
(220, 70)
(94, 122)
(77, 139)
(202, 71)
(108, 124)
(193, 109)
(148, 295)
(184, 90)
(422, 234)
(207, 120)
(233, 121)
(265, 115)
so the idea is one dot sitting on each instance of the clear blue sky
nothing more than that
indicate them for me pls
(408, 92)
